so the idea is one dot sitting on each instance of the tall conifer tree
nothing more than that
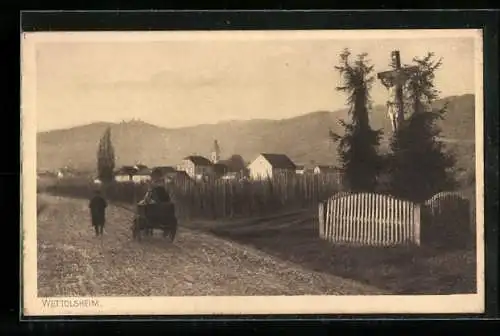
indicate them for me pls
(358, 146)
(419, 166)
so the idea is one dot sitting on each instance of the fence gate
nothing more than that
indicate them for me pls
(446, 220)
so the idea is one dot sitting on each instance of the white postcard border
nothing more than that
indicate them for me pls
(384, 304)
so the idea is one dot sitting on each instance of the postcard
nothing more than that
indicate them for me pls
(252, 172)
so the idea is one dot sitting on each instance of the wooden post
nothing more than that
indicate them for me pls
(396, 57)
(416, 224)
(321, 218)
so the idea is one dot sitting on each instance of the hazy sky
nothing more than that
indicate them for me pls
(187, 81)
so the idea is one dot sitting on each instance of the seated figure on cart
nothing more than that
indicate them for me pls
(155, 194)
(155, 211)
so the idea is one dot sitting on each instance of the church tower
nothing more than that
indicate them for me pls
(215, 156)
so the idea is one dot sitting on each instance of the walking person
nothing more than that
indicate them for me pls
(97, 206)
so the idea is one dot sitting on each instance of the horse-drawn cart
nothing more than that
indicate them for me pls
(155, 211)
(151, 216)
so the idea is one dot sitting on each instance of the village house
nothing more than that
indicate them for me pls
(165, 171)
(121, 176)
(136, 174)
(269, 165)
(65, 172)
(45, 173)
(142, 175)
(322, 169)
(220, 168)
(139, 167)
(301, 170)
(231, 176)
(196, 166)
(229, 170)
(329, 170)
(125, 173)
(169, 174)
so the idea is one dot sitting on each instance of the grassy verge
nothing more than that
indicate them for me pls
(399, 270)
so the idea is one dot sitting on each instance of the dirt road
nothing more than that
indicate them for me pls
(73, 262)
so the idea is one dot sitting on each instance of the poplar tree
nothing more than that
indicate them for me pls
(105, 157)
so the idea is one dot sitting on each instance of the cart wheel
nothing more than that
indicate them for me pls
(173, 232)
(137, 232)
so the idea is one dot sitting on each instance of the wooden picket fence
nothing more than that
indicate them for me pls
(215, 199)
(448, 203)
(369, 219)
(383, 220)
(448, 219)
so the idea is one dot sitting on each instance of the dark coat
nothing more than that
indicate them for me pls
(157, 194)
(160, 195)
(97, 207)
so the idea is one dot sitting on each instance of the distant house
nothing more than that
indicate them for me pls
(169, 174)
(140, 167)
(304, 169)
(230, 167)
(65, 172)
(142, 175)
(196, 166)
(269, 165)
(330, 171)
(46, 173)
(220, 169)
(321, 169)
(231, 176)
(300, 170)
(164, 171)
(125, 173)
(122, 177)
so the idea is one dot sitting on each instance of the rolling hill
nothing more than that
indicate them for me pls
(303, 138)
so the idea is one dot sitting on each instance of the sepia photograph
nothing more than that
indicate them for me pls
(252, 172)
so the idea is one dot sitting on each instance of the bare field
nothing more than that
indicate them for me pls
(73, 262)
